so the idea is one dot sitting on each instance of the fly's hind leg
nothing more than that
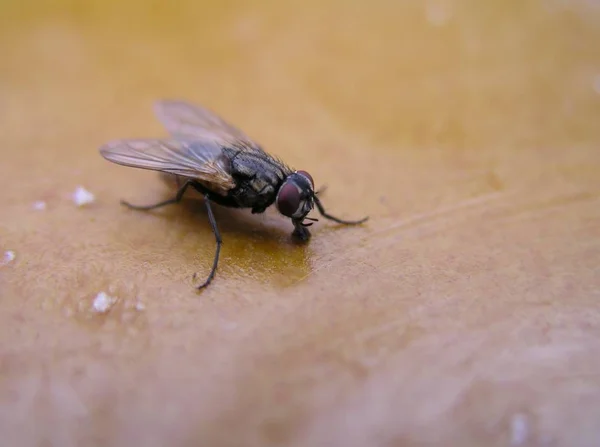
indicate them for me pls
(219, 241)
(175, 199)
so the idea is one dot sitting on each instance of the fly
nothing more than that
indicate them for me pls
(224, 165)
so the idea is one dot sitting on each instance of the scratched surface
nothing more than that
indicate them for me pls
(466, 312)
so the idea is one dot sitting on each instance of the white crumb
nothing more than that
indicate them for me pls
(103, 302)
(518, 429)
(82, 196)
(40, 205)
(139, 306)
(9, 256)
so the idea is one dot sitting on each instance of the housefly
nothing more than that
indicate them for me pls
(224, 165)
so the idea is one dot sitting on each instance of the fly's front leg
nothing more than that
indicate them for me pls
(175, 199)
(215, 229)
(300, 231)
(335, 219)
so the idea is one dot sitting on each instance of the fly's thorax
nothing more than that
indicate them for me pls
(260, 185)
(260, 166)
(295, 196)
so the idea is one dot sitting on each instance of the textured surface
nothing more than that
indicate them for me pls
(466, 311)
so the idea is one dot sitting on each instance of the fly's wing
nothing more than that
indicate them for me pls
(198, 160)
(192, 122)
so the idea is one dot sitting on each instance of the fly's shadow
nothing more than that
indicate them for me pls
(257, 247)
(265, 227)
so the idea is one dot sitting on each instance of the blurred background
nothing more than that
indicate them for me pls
(464, 313)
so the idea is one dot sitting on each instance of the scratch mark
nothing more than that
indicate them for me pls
(420, 219)
(533, 209)
(417, 221)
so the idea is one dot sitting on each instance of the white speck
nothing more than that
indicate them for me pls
(139, 306)
(230, 325)
(9, 256)
(518, 429)
(40, 205)
(103, 302)
(597, 84)
(437, 14)
(82, 196)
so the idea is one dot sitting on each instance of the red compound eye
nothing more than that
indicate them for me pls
(308, 176)
(288, 199)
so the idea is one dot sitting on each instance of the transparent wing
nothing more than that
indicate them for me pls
(201, 161)
(193, 122)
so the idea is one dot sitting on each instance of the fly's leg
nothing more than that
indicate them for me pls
(175, 199)
(321, 190)
(215, 229)
(335, 219)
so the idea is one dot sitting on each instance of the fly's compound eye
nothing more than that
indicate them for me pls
(288, 199)
(308, 176)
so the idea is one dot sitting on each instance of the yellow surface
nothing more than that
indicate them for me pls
(466, 312)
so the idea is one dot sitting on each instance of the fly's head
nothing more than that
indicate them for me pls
(295, 199)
